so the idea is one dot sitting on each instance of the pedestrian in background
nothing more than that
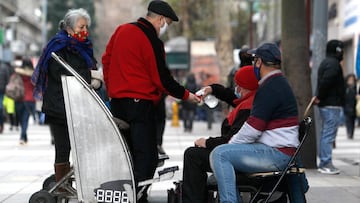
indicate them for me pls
(188, 109)
(136, 76)
(73, 45)
(25, 106)
(245, 60)
(330, 98)
(350, 104)
(4, 79)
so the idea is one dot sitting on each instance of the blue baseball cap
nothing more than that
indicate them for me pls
(268, 52)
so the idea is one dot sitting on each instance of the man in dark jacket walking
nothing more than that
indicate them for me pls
(330, 98)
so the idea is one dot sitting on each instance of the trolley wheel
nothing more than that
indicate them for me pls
(42, 196)
(49, 182)
(160, 163)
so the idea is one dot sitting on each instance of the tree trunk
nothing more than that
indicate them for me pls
(295, 64)
(184, 8)
(223, 45)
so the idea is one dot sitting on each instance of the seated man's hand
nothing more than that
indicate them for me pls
(207, 90)
(201, 142)
(203, 92)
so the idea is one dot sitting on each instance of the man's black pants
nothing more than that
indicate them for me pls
(196, 166)
(141, 137)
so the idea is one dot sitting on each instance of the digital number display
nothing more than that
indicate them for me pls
(111, 196)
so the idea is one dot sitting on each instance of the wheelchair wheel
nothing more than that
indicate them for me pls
(42, 196)
(280, 197)
(49, 182)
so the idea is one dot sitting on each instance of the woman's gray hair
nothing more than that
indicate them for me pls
(72, 16)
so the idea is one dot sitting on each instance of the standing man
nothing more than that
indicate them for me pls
(136, 76)
(330, 98)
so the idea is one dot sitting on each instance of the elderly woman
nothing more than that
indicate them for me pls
(73, 45)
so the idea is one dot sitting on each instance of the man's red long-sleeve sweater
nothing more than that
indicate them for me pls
(134, 64)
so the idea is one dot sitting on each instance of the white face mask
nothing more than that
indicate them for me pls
(163, 29)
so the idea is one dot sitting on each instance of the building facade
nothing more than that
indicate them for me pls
(20, 28)
(344, 24)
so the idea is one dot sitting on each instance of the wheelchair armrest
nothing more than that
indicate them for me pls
(163, 157)
(169, 169)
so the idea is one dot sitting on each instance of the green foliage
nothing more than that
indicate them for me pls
(202, 22)
(240, 28)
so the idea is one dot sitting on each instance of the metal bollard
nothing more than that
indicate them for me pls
(175, 115)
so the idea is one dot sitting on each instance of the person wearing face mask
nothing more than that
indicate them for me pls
(268, 138)
(136, 77)
(73, 45)
(196, 158)
(330, 98)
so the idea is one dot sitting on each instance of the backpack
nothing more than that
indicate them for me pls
(15, 87)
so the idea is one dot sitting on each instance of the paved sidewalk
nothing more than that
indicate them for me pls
(23, 168)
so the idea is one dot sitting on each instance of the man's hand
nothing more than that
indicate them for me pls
(316, 100)
(203, 92)
(207, 91)
(201, 142)
(193, 98)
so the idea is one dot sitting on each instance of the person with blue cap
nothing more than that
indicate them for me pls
(269, 137)
(136, 77)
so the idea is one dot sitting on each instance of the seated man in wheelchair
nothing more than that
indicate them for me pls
(269, 137)
(196, 159)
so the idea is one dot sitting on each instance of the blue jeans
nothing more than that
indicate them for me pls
(248, 158)
(330, 122)
(23, 112)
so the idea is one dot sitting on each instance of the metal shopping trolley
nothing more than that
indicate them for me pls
(102, 168)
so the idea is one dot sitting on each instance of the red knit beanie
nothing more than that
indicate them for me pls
(245, 78)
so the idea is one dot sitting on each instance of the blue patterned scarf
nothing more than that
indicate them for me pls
(58, 42)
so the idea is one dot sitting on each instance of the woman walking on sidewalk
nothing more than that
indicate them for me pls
(26, 105)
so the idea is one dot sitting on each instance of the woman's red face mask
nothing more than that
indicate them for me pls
(81, 36)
